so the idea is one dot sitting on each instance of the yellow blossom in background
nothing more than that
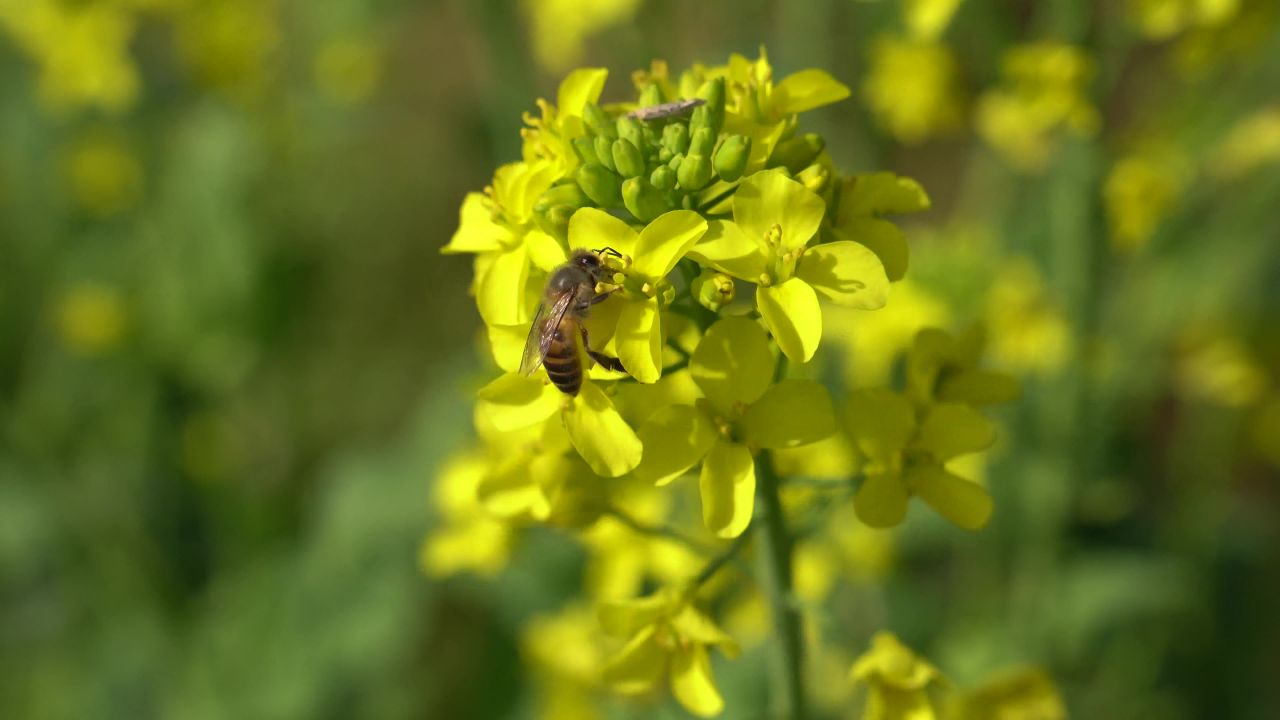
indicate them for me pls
(81, 49)
(90, 318)
(899, 682)
(347, 70)
(1043, 93)
(564, 652)
(1252, 142)
(465, 538)
(1162, 19)
(1220, 370)
(927, 19)
(875, 340)
(105, 174)
(229, 43)
(1025, 694)
(1139, 190)
(1204, 46)
(911, 88)
(559, 29)
(1027, 333)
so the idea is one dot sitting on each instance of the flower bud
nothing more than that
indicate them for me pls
(798, 152)
(694, 172)
(663, 178)
(713, 290)
(814, 177)
(631, 129)
(564, 193)
(689, 84)
(599, 184)
(603, 147)
(702, 142)
(650, 95)
(627, 159)
(731, 158)
(584, 147)
(713, 92)
(676, 159)
(598, 121)
(675, 137)
(643, 200)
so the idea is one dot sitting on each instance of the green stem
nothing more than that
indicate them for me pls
(665, 531)
(724, 558)
(788, 661)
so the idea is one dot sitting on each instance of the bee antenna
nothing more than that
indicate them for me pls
(609, 251)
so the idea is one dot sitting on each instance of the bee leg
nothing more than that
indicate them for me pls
(609, 363)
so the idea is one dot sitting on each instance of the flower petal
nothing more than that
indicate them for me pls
(950, 430)
(733, 363)
(579, 88)
(665, 240)
(694, 625)
(637, 667)
(771, 198)
(622, 618)
(500, 293)
(791, 413)
(728, 487)
(599, 433)
(881, 420)
(477, 232)
(806, 90)
(791, 312)
(725, 248)
(506, 343)
(881, 502)
(846, 273)
(684, 436)
(510, 493)
(513, 401)
(964, 503)
(692, 683)
(881, 193)
(544, 250)
(882, 238)
(594, 229)
(638, 339)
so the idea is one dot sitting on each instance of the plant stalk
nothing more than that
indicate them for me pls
(776, 575)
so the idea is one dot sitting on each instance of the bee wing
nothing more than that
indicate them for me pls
(543, 331)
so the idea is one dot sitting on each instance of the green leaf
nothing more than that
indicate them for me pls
(600, 435)
(638, 339)
(728, 487)
(665, 240)
(964, 503)
(681, 437)
(881, 502)
(882, 237)
(881, 420)
(725, 248)
(500, 292)
(514, 401)
(806, 90)
(593, 229)
(477, 232)
(792, 314)
(579, 88)
(950, 430)
(692, 683)
(733, 363)
(770, 198)
(789, 414)
(846, 273)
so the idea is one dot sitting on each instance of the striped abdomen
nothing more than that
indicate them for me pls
(563, 363)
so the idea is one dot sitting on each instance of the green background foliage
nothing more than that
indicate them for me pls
(232, 361)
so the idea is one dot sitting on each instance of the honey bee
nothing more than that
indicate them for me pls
(553, 338)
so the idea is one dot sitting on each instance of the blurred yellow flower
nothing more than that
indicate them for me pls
(622, 559)
(1162, 19)
(1027, 332)
(229, 43)
(106, 176)
(1138, 192)
(898, 681)
(1220, 370)
(1026, 694)
(90, 318)
(1043, 93)
(465, 538)
(911, 88)
(564, 654)
(927, 19)
(347, 71)
(1252, 142)
(873, 341)
(82, 50)
(559, 29)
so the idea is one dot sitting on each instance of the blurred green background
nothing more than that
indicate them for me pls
(232, 360)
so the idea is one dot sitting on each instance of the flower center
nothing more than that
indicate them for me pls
(780, 262)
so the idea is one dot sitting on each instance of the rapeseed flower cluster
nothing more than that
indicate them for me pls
(723, 236)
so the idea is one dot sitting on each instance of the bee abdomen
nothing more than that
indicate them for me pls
(565, 373)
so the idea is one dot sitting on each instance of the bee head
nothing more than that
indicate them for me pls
(586, 260)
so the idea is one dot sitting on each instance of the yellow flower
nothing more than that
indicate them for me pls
(90, 318)
(1028, 334)
(1220, 370)
(347, 70)
(1251, 143)
(1162, 19)
(1138, 192)
(622, 559)
(898, 681)
(559, 29)
(1026, 694)
(875, 340)
(105, 174)
(911, 88)
(927, 19)
(549, 136)
(1043, 94)
(666, 642)
(465, 538)
(564, 653)
(943, 368)
(229, 43)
